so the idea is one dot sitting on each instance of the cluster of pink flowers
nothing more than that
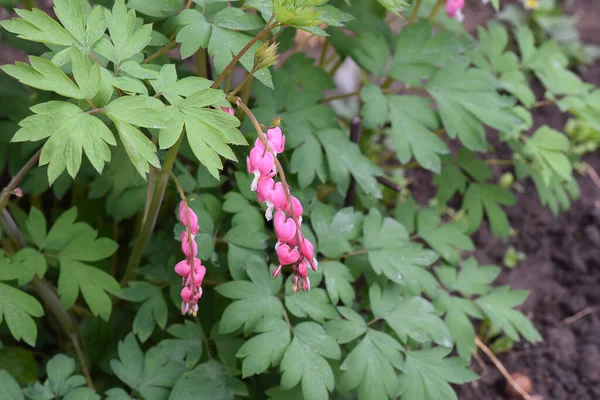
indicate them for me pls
(454, 9)
(191, 269)
(292, 247)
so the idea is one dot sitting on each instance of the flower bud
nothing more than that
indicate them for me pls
(265, 56)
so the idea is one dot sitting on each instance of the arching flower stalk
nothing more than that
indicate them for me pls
(292, 247)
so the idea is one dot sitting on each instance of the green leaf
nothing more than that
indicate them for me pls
(338, 281)
(471, 280)
(195, 32)
(9, 388)
(375, 108)
(370, 367)
(209, 131)
(224, 44)
(497, 306)
(236, 19)
(208, 381)
(390, 252)
(17, 308)
(77, 243)
(141, 111)
(429, 372)
(127, 38)
(413, 123)
(36, 226)
(549, 148)
(151, 374)
(141, 151)
(467, 99)
(86, 73)
(550, 65)
(371, 52)
(480, 197)
(457, 320)
(313, 304)
(43, 74)
(82, 393)
(71, 15)
(412, 317)
(447, 239)
(394, 6)
(188, 345)
(335, 230)
(152, 312)
(419, 53)
(71, 131)
(20, 363)
(37, 26)
(255, 300)
(60, 371)
(23, 266)
(93, 283)
(265, 349)
(304, 360)
(348, 329)
(345, 157)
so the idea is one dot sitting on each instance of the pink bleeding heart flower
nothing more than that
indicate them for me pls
(284, 227)
(296, 206)
(275, 140)
(186, 294)
(228, 110)
(261, 164)
(278, 197)
(287, 255)
(190, 251)
(277, 271)
(18, 192)
(199, 273)
(303, 269)
(183, 268)
(308, 252)
(263, 193)
(193, 218)
(454, 9)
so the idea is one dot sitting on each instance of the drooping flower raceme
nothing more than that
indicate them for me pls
(292, 247)
(454, 9)
(191, 269)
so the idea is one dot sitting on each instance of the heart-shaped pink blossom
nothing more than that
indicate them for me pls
(199, 273)
(192, 220)
(276, 139)
(264, 189)
(287, 255)
(278, 197)
(186, 294)
(183, 268)
(284, 227)
(188, 250)
(296, 206)
(303, 269)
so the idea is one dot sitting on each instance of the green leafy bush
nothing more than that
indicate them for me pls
(125, 131)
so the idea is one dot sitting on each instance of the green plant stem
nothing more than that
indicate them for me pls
(435, 9)
(14, 182)
(202, 63)
(354, 253)
(243, 83)
(148, 223)
(48, 295)
(415, 12)
(160, 52)
(323, 53)
(239, 55)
